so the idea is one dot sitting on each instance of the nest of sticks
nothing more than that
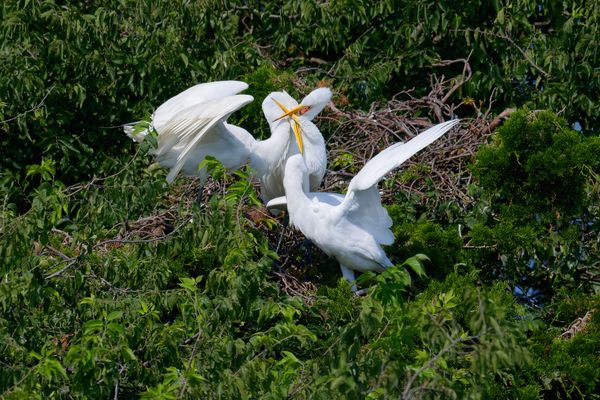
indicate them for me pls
(441, 168)
(438, 174)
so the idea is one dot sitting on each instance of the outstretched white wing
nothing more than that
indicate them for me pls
(200, 93)
(192, 125)
(395, 155)
(201, 128)
(362, 204)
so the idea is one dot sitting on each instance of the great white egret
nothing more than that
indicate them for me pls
(193, 125)
(351, 227)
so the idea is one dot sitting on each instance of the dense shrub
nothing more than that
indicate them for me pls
(539, 165)
(196, 313)
(540, 185)
(442, 245)
(565, 362)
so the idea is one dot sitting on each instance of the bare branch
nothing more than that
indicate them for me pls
(466, 74)
(577, 326)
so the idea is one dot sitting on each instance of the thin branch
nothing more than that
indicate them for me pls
(470, 246)
(450, 346)
(189, 364)
(466, 74)
(116, 396)
(59, 253)
(72, 190)
(40, 104)
(13, 387)
(62, 270)
(71, 261)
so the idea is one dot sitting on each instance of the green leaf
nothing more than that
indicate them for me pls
(88, 300)
(128, 354)
(114, 315)
(188, 284)
(93, 326)
(500, 16)
(416, 265)
(185, 59)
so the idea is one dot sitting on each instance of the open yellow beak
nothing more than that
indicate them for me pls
(295, 122)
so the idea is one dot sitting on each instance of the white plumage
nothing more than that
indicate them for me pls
(351, 227)
(193, 125)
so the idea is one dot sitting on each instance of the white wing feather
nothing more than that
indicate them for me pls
(183, 125)
(395, 155)
(189, 126)
(197, 94)
(333, 199)
(362, 204)
(367, 212)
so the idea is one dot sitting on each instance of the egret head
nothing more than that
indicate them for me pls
(286, 104)
(315, 102)
(275, 104)
(311, 106)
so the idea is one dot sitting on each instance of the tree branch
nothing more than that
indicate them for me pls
(428, 364)
(40, 104)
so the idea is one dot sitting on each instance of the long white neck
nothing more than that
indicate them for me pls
(295, 182)
(315, 155)
(268, 153)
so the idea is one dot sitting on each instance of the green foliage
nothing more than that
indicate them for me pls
(262, 81)
(107, 289)
(414, 172)
(239, 182)
(447, 342)
(81, 69)
(98, 318)
(538, 164)
(565, 366)
(442, 245)
(540, 191)
(345, 161)
(195, 313)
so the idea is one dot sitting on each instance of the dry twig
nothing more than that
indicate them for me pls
(577, 326)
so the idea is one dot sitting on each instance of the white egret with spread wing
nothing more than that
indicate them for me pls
(193, 125)
(351, 227)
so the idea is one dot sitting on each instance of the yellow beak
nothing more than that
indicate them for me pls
(287, 112)
(297, 133)
(295, 122)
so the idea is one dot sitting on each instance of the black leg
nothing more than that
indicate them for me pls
(286, 222)
(200, 196)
